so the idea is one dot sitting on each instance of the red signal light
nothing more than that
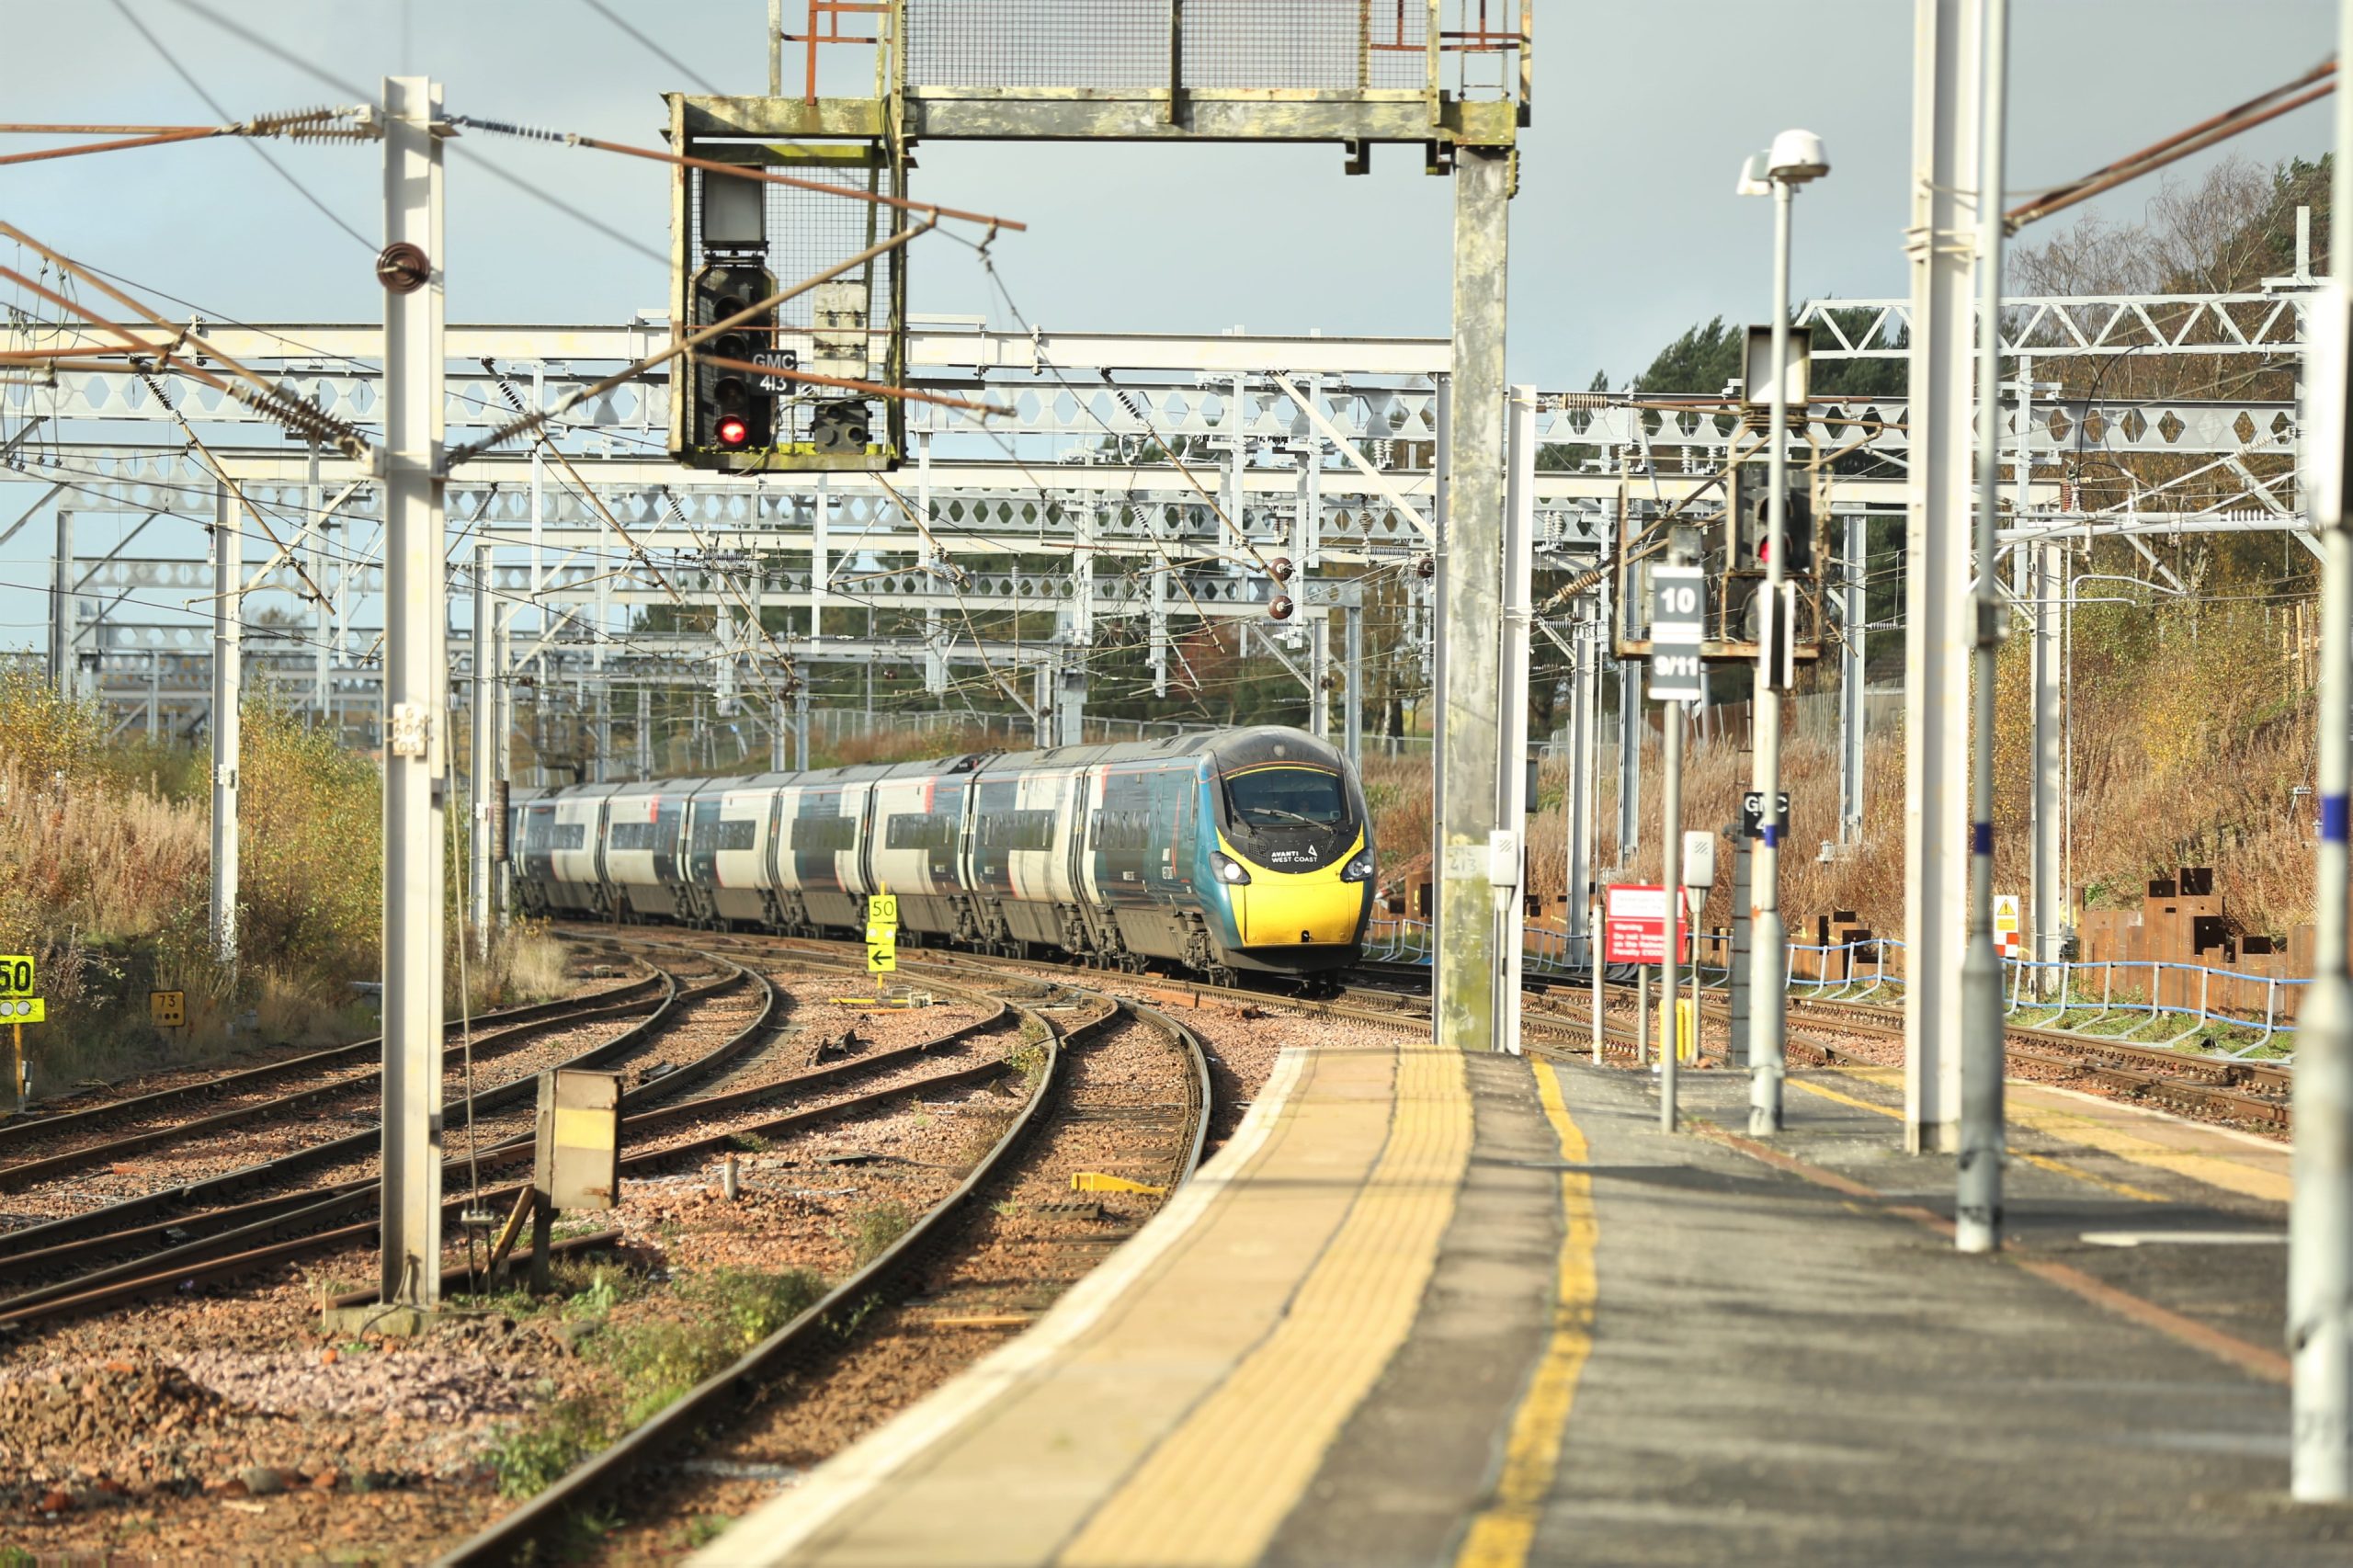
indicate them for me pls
(733, 431)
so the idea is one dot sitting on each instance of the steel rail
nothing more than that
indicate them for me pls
(269, 1217)
(592, 1482)
(200, 1193)
(100, 1287)
(28, 1172)
(32, 1125)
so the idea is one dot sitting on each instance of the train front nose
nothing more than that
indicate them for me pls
(1310, 909)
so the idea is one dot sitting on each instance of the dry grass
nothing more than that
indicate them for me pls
(2191, 734)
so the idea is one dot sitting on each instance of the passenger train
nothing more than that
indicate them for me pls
(1219, 851)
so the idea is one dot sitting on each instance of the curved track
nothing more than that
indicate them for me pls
(851, 1314)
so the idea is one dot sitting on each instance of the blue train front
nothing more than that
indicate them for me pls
(1219, 851)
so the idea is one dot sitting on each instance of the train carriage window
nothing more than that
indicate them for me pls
(736, 834)
(825, 833)
(1123, 830)
(632, 835)
(536, 830)
(568, 835)
(1016, 830)
(920, 831)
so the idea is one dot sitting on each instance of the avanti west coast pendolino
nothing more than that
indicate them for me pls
(1219, 851)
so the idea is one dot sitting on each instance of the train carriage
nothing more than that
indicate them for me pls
(1216, 851)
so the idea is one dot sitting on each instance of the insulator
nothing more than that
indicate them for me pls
(1279, 568)
(1426, 566)
(1282, 608)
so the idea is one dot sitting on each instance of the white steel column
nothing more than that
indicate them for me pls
(1977, 1214)
(1319, 676)
(502, 750)
(1511, 700)
(1937, 618)
(2319, 1219)
(314, 499)
(484, 765)
(1768, 995)
(1470, 716)
(64, 602)
(1574, 867)
(1352, 690)
(228, 659)
(1854, 712)
(415, 618)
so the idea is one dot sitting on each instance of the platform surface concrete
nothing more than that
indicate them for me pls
(1430, 1309)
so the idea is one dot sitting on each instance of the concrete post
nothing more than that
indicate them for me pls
(228, 670)
(2319, 1219)
(1471, 551)
(1937, 620)
(1977, 1216)
(415, 751)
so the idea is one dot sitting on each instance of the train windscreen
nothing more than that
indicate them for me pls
(1286, 796)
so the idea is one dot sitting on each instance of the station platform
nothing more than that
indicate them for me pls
(1430, 1308)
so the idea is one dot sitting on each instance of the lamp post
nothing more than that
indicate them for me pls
(1796, 157)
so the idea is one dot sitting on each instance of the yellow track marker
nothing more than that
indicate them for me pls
(1095, 1181)
(1504, 1530)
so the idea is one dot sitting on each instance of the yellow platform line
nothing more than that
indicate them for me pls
(1502, 1533)
(1217, 1488)
(2215, 1170)
(2060, 1167)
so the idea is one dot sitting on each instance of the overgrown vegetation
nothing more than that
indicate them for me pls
(2193, 656)
(105, 878)
(654, 1360)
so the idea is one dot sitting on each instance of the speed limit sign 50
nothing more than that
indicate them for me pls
(16, 974)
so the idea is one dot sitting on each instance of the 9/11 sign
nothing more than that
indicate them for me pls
(1678, 620)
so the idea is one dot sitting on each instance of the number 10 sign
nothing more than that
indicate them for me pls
(1679, 600)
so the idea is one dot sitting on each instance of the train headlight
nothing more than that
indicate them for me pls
(1228, 869)
(1358, 869)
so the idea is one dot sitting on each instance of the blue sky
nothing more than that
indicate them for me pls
(1626, 230)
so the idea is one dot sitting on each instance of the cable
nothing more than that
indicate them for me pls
(672, 60)
(169, 58)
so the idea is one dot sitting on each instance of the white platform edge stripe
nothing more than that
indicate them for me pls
(781, 1526)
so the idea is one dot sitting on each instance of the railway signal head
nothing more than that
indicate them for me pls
(729, 413)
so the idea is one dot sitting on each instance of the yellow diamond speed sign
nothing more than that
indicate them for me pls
(882, 909)
(167, 1010)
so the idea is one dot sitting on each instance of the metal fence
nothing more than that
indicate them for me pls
(2116, 1001)
(1335, 46)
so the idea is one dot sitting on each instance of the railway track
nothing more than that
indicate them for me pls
(948, 1278)
(204, 1231)
(41, 1147)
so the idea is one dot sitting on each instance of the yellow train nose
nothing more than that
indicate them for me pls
(1309, 908)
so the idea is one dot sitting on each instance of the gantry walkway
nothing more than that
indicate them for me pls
(1427, 1307)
